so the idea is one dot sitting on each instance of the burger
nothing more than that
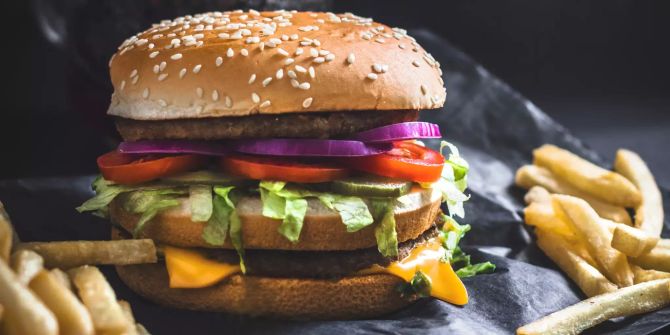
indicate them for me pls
(276, 159)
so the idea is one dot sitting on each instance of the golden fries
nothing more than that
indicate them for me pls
(656, 259)
(636, 299)
(603, 184)
(642, 275)
(537, 194)
(663, 243)
(566, 256)
(6, 234)
(71, 254)
(632, 241)
(128, 312)
(649, 213)
(542, 215)
(72, 316)
(62, 278)
(26, 264)
(586, 222)
(24, 313)
(100, 300)
(530, 175)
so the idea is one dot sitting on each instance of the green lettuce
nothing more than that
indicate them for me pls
(148, 203)
(105, 192)
(472, 270)
(420, 285)
(451, 235)
(224, 221)
(200, 197)
(353, 210)
(385, 232)
(453, 181)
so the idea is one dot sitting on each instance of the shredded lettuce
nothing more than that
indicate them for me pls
(105, 192)
(451, 235)
(148, 203)
(200, 197)
(420, 285)
(353, 210)
(472, 270)
(385, 232)
(453, 181)
(217, 227)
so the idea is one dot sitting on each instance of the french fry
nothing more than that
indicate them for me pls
(62, 278)
(632, 241)
(26, 264)
(632, 300)
(66, 255)
(657, 259)
(128, 312)
(642, 275)
(566, 256)
(72, 316)
(24, 312)
(543, 216)
(537, 194)
(141, 330)
(603, 184)
(586, 222)
(100, 300)
(664, 243)
(530, 175)
(6, 234)
(649, 213)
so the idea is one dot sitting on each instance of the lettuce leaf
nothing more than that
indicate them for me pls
(223, 221)
(353, 210)
(475, 269)
(451, 235)
(453, 181)
(105, 193)
(294, 216)
(385, 232)
(200, 197)
(152, 208)
(420, 285)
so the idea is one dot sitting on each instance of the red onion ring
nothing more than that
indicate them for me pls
(309, 147)
(399, 132)
(175, 147)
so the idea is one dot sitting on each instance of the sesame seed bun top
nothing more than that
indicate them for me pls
(240, 63)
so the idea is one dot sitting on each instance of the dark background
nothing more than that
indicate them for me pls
(599, 67)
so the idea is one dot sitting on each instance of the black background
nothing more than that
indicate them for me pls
(599, 67)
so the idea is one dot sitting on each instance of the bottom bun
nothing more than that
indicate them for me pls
(352, 297)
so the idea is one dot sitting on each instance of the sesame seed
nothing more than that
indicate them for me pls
(255, 98)
(380, 40)
(198, 92)
(252, 79)
(316, 42)
(123, 85)
(157, 68)
(254, 12)
(294, 37)
(265, 103)
(307, 102)
(215, 95)
(423, 90)
(133, 73)
(162, 66)
(300, 69)
(135, 79)
(244, 52)
(295, 83)
(267, 81)
(372, 76)
(289, 61)
(279, 74)
(298, 51)
(304, 86)
(153, 54)
(283, 52)
(230, 53)
(162, 76)
(319, 60)
(330, 57)
(182, 73)
(291, 74)
(229, 102)
(305, 43)
(145, 93)
(351, 58)
(261, 46)
(197, 68)
(219, 61)
(312, 73)
(415, 63)
(323, 52)
(176, 56)
(313, 52)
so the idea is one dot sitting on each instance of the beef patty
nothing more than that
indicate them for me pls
(304, 125)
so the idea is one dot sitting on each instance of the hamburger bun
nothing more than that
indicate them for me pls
(245, 63)
(322, 229)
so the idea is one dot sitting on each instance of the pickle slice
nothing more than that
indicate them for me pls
(371, 186)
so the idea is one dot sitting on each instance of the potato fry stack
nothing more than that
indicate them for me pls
(39, 300)
(580, 212)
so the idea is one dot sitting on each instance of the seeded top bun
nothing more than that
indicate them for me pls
(242, 63)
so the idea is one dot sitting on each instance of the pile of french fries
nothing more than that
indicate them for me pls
(50, 288)
(580, 212)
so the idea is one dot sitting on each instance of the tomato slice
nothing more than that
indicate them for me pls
(407, 161)
(272, 168)
(129, 169)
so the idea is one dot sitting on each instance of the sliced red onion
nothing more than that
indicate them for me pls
(399, 132)
(175, 147)
(309, 147)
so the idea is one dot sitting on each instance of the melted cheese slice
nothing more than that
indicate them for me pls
(189, 269)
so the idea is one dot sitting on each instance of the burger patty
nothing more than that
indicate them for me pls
(314, 264)
(304, 125)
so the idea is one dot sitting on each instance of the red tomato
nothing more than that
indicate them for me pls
(407, 161)
(129, 169)
(272, 168)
